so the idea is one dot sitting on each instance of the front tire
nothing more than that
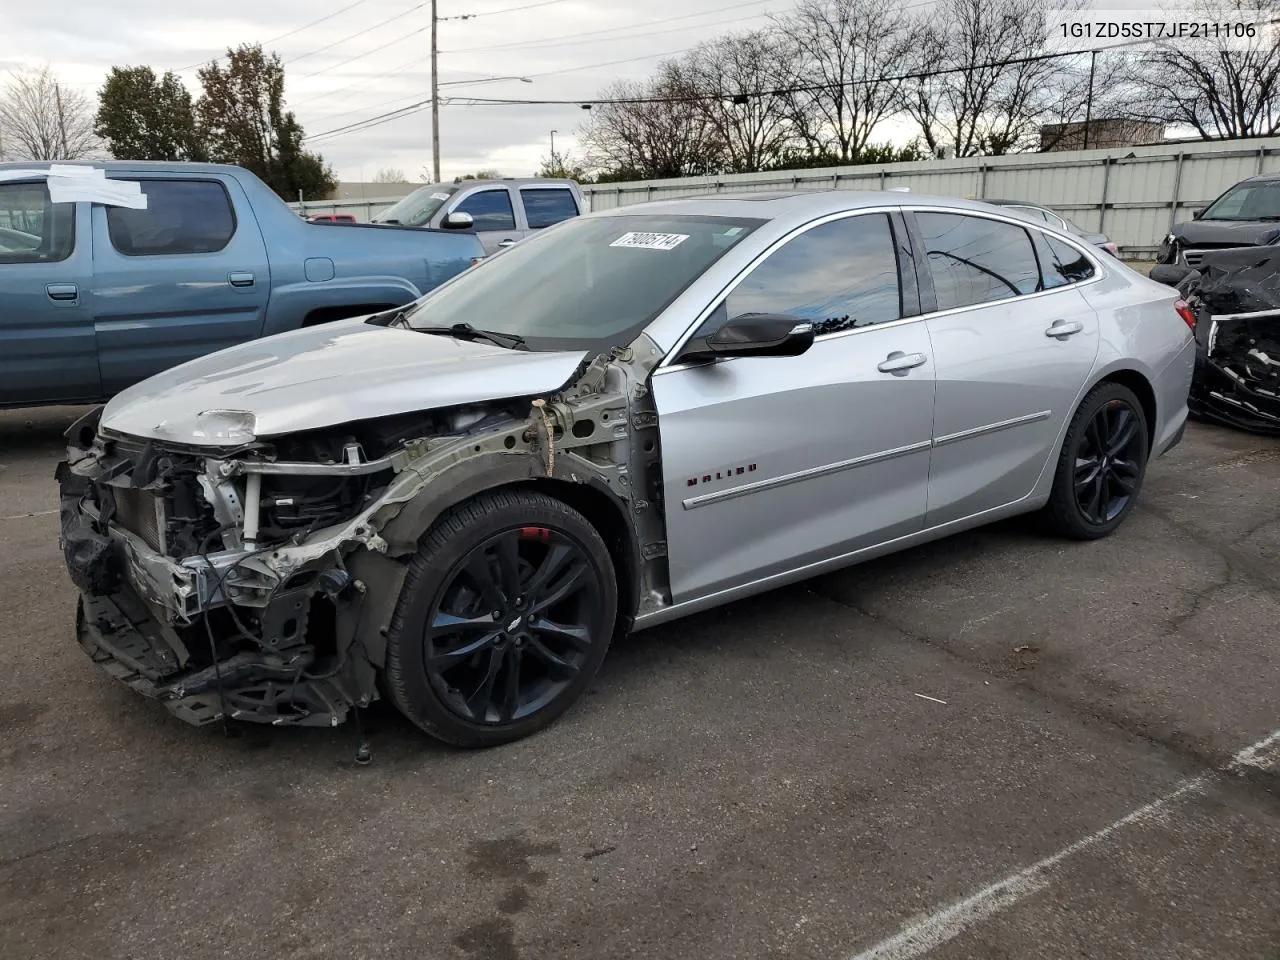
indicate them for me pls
(1101, 466)
(504, 619)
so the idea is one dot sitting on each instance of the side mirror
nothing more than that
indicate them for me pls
(1197, 214)
(753, 335)
(458, 220)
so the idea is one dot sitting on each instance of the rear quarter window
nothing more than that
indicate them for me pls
(546, 206)
(182, 217)
(1065, 264)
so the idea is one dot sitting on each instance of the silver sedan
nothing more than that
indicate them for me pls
(628, 417)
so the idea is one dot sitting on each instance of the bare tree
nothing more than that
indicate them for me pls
(1220, 88)
(1086, 87)
(43, 119)
(737, 79)
(390, 175)
(651, 129)
(839, 51)
(989, 83)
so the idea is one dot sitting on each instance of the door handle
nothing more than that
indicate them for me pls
(1061, 329)
(62, 291)
(506, 243)
(241, 279)
(899, 362)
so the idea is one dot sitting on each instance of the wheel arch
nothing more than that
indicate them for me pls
(1142, 389)
(607, 512)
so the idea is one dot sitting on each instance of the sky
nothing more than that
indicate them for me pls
(369, 57)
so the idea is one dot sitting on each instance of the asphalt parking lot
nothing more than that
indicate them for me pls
(997, 746)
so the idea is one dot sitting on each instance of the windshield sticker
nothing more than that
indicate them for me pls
(651, 241)
(733, 231)
(439, 196)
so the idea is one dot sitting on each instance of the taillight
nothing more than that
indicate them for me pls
(476, 261)
(1186, 313)
(1112, 249)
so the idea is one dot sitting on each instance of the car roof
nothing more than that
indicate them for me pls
(1014, 203)
(514, 181)
(125, 165)
(797, 204)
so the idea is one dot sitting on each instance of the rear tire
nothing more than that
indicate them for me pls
(1101, 466)
(504, 619)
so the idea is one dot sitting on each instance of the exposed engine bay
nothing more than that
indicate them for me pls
(1236, 298)
(257, 580)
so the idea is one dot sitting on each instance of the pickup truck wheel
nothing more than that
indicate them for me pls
(504, 619)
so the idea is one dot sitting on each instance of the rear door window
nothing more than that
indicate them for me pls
(490, 209)
(182, 217)
(544, 206)
(975, 260)
(32, 229)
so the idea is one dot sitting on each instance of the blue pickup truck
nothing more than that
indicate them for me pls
(98, 293)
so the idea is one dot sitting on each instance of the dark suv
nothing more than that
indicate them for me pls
(1247, 215)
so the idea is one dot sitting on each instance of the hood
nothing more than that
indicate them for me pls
(1241, 232)
(325, 375)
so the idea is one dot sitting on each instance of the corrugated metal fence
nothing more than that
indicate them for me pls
(1132, 194)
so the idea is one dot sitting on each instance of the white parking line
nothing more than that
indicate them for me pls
(23, 516)
(939, 927)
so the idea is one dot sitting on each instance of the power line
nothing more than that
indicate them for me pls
(380, 119)
(811, 88)
(359, 33)
(629, 36)
(592, 33)
(490, 13)
(694, 98)
(284, 36)
(368, 53)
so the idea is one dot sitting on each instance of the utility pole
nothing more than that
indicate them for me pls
(435, 98)
(1088, 107)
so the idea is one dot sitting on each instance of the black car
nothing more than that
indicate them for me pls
(1247, 215)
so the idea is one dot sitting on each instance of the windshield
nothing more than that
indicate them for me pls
(589, 283)
(417, 209)
(1247, 201)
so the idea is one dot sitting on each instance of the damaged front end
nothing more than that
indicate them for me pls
(257, 578)
(1236, 298)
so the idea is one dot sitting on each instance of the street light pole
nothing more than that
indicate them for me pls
(435, 98)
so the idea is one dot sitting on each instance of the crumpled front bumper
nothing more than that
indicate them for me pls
(198, 672)
(129, 644)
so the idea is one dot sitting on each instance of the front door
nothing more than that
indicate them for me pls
(47, 348)
(494, 215)
(774, 463)
(1014, 343)
(184, 277)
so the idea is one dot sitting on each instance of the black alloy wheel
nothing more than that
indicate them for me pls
(504, 619)
(513, 625)
(1101, 466)
(1107, 465)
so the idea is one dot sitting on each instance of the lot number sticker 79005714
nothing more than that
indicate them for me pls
(651, 241)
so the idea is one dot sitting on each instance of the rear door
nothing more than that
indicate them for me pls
(545, 206)
(1014, 342)
(494, 213)
(185, 277)
(47, 348)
